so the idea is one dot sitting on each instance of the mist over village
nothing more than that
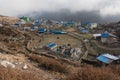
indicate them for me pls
(59, 39)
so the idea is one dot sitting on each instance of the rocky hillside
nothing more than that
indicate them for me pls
(19, 61)
(7, 20)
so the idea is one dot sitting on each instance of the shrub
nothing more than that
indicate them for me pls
(14, 74)
(50, 64)
(115, 69)
(92, 73)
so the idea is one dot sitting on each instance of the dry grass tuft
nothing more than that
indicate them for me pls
(13, 74)
(92, 73)
(50, 64)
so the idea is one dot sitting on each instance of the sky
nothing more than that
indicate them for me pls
(103, 8)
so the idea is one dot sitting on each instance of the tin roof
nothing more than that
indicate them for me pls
(95, 35)
(50, 45)
(105, 35)
(84, 31)
(42, 30)
(103, 59)
(110, 56)
(106, 58)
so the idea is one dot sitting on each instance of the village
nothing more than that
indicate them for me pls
(70, 42)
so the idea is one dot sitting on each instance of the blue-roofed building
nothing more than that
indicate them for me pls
(81, 28)
(42, 30)
(64, 25)
(107, 58)
(51, 31)
(105, 35)
(60, 32)
(70, 23)
(84, 31)
(51, 46)
(103, 59)
(36, 23)
(57, 32)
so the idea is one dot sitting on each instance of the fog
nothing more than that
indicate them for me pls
(79, 10)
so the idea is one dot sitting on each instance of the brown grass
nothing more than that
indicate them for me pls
(50, 64)
(13, 74)
(92, 73)
(63, 39)
(115, 69)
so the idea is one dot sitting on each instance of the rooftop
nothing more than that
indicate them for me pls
(110, 56)
(107, 58)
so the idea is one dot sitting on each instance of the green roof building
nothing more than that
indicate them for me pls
(25, 18)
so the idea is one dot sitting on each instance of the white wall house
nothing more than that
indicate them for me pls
(92, 25)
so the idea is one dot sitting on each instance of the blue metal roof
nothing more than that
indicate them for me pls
(57, 32)
(105, 35)
(64, 24)
(84, 31)
(81, 28)
(50, 45)
(51, 31)
(103, 59)
(42, 30)
(36, 22)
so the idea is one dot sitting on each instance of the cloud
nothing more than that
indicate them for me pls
(104, 8)
(14, 7)
(112, 9)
